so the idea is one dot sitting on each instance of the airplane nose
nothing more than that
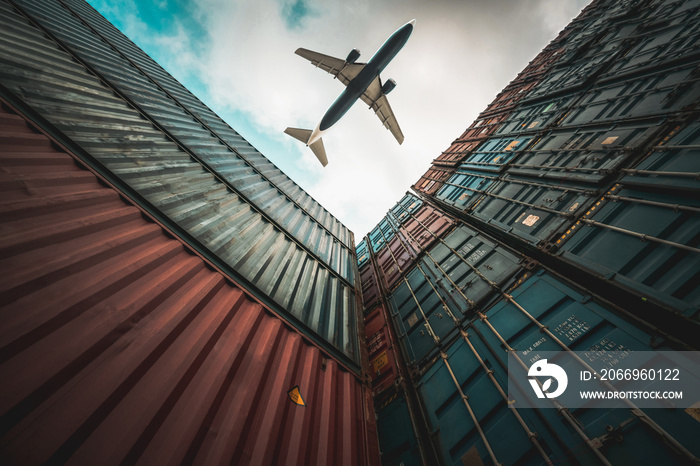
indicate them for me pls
(412, 22)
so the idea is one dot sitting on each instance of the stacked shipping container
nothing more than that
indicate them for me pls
(565, 218)
(175, 154)
(221, 328)
(119, 344)
(575, 203)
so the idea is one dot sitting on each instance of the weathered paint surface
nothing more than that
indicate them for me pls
(270, 243)
(117, 344)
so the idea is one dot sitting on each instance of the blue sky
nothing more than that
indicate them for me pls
(237, 56)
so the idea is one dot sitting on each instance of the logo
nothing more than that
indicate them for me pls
(543, 369)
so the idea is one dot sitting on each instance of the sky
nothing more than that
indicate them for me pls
(237, 56)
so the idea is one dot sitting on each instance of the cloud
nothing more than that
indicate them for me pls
(459, 57)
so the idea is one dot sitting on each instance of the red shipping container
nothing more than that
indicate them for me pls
(395, 260)
(433, 179)
(455, 153)
(424, 226)
(382, 360)
(119, 344)
(370, 288)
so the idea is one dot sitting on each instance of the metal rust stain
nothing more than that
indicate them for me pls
(118, 345)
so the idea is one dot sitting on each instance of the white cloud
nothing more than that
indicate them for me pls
(459, 57)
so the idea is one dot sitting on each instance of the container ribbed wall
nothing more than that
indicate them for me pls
(300, 262)
(118, 345)
(575, 200)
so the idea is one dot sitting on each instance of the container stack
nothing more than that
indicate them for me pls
(177, 298)
(574, 217)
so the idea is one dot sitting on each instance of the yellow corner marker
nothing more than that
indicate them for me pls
(295, 396)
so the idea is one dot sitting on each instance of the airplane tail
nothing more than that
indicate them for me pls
(303, 135)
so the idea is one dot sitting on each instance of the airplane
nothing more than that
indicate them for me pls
(362, 82)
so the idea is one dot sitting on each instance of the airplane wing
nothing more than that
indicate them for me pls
(378, 102)
(345, 72)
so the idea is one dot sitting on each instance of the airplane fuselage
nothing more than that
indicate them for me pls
(361, 82)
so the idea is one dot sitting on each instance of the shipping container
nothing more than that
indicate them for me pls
(464, 188)
(666, 32)
(423, 227)
(395, 260)
(494, 154)
(643, 234)
(482, 128)
(405, 207)
(381, 351)
(509, 97)
(533, 211)
(658, 93)
(307, 274)
(121, 344)
(432, 180)
(474, 422)
(592, 158)
(362, 253)
(544, 60)
(101, 46)
(397, 437)
(455, 276)
(380, 235)
(422, 224)
(593, 154)
(455, 154)
(552, 183)
(370, 287)
(536, 117)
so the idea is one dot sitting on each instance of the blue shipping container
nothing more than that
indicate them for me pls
(582, 324)
(397, 438)
(454, 277)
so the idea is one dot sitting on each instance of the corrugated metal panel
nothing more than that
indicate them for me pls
(186, 117)
(362, 253)
(464, 188)
(394, 260)
(432, 180)
(453, 278)
(475, 366)
(315, 296)
(495, 153)
(370, 287)
(380, 235)
(397, 438)
(659, 93)
(667, 28)
(588, 154)
(643, 234)
(424, 227)
(201, 111)
(455, 153)
(405, 207)
(382, 360)
(118, 345)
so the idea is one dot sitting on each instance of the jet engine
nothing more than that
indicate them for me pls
(388, 86)
(353, 56)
